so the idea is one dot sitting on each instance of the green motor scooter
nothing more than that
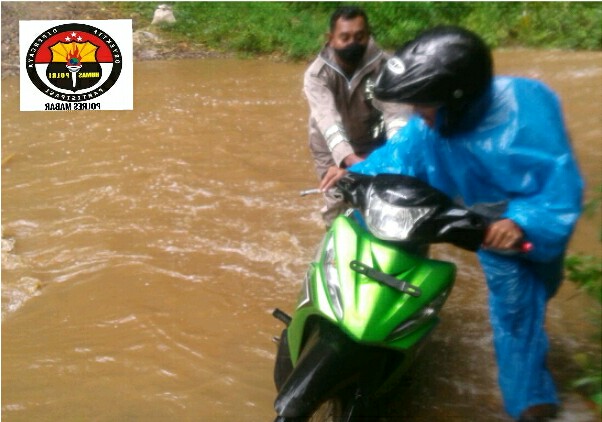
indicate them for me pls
(370, 298)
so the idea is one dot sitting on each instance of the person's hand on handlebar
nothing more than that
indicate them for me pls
(332, 176)
(503, 235)
(334, 173)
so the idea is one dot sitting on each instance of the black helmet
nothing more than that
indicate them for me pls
(445, 65)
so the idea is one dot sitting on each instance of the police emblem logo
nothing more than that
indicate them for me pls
(74, 58)
(75, 63)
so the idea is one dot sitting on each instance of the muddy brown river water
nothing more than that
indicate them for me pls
(143, 251)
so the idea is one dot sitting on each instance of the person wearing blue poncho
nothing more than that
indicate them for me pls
(498, 145)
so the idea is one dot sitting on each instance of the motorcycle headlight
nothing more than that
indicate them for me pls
(390, 222)
(331, 275)
(420, 317)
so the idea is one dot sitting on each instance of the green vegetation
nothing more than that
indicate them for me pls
(586, 272)
(295, 30)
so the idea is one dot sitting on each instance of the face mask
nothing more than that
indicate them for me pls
(352, 54)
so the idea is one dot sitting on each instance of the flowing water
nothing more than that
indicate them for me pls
(143, 251)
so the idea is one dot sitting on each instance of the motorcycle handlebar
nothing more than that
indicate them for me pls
(525, 246)
(309, 192)
(332, 191)
(522, 247)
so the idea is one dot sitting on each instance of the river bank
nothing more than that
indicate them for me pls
(149, 42)
(294, 31)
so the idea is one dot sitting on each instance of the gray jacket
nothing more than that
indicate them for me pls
(344, 118)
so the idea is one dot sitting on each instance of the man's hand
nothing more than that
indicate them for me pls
(503, 235)
(332, 176)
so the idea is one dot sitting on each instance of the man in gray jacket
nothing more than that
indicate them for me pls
(346, 123)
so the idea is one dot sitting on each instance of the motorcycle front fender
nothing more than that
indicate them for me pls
(329, 361)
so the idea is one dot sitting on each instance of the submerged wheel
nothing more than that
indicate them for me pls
(329, 411)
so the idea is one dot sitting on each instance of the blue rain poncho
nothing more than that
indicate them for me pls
(510, 155)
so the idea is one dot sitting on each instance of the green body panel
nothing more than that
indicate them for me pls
(371, 310)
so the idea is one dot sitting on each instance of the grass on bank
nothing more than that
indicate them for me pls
(586, 272)
(295, 30)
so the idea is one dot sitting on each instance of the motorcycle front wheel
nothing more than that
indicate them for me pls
(329, 411)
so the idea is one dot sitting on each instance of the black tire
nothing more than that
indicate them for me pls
(346, 407)
(329, 411)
